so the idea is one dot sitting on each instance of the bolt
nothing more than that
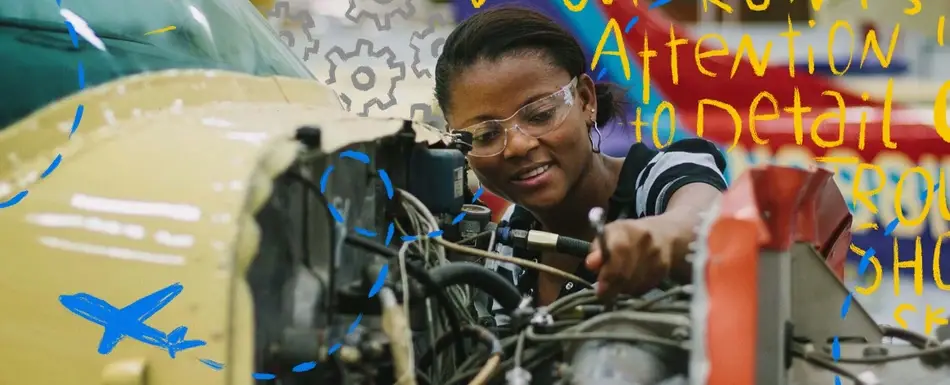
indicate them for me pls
(875, 351)
(349, 355)
(680, 333)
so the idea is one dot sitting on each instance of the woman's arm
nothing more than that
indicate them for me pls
(683, 211)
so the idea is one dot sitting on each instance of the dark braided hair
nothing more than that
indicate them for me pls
(501, 31)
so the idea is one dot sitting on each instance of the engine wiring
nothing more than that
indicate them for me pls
(409, 369)
(517, 261)
(570, 318)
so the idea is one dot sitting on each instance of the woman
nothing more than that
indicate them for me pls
(517, 82)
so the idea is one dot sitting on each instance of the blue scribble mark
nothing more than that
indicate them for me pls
(335, 347)
(458, 218)
(365, 232)
(846, 305)
(891, 227)
(389, 233)
(603, 71)
(52, 166)
(336, 214)
(263, 376)
(866, 260)
(380, 280)
(356, 322)
(478, 194)
(659, 3)
(129, 321)
(630, 24)
(212, 364)
(76, 119)
(434, 234)
(324, 179)
(72, 34)
(837, 380)
(14, 200)
(355, 155)
(305, 367)
(386, 182)
(409, 238)
(836, 349)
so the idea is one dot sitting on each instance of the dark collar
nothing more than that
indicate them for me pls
(625, 194)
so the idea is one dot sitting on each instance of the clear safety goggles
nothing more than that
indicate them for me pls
(536, 119)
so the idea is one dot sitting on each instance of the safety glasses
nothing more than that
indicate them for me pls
(536, 119)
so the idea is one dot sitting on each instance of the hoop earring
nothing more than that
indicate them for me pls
(600, 137)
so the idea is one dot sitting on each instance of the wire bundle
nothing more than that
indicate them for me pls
(572, 318)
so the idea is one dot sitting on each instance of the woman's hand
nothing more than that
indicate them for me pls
(641, 254)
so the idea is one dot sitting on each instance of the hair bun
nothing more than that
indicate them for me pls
(608, 104)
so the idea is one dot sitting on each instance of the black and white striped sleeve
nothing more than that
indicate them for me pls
(688, 161)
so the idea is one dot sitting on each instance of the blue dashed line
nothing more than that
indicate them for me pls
(389, 233)
(659, 3)
(324, 178)
(81, 74)
(355, 155)
(600, 75)
(14, 200)
(336, 214)
(380, 279)
(212, 364)
(304, 367)
(310, 365)
(76, 119)
(263, 376)
(383, 176)
(52, 166)
(866, 260)
(836, 349)
(72, 34)
(890, 227)
(355, 324)
(862, 267)
(478, 194)
(630, 24)
(846, 305)
(365, 232)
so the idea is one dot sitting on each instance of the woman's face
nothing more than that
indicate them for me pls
(498, 89)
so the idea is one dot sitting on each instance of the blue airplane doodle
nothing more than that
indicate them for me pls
(129, 321)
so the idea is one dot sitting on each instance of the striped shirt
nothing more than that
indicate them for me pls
(648, 179)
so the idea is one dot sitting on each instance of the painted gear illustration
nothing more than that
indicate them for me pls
(427, 45)
(428, 115)
(381, 11)
(372, 70)
(311, 46)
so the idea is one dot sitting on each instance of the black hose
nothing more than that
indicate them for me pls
(424, 278)
(572, 246)
(477, 276)
(482, 334)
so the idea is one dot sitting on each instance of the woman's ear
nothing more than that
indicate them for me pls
(587, 90)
